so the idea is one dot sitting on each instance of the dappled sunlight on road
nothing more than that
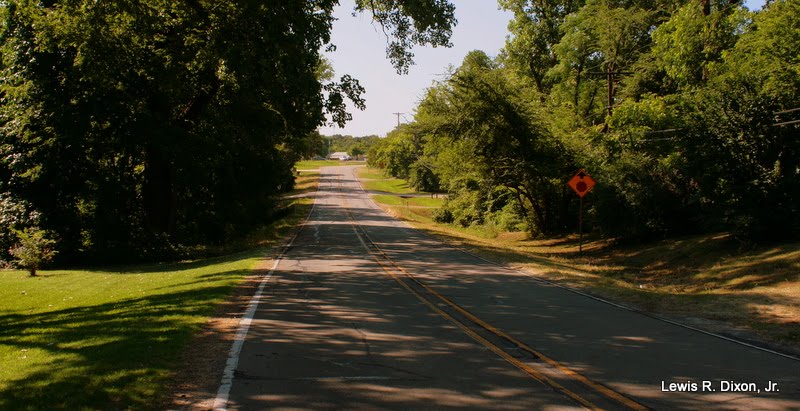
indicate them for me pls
(365, 312)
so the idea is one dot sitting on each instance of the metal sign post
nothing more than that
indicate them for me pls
(581, 183)
(580, 227)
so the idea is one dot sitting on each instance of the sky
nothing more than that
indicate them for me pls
(361, 52)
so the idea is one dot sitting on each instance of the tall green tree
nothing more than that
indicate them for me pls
(602, 37)
(491, 111)
(534, 32)
(134, 120)
(745, 161)
(694, 38)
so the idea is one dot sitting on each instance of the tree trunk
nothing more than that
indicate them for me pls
(160, 201)
(538, 215)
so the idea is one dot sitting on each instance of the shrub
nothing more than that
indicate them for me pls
(443, 216)
(15, 214)
(509, 218)
(33, 249)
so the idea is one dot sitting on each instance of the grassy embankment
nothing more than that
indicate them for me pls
(397, 193)
(111, 338)
(709, 281)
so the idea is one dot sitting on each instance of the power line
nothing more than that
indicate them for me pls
(779, 123)
(786, 111)
(666, 131)
(786, 123)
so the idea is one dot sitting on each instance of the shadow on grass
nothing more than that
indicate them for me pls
(177, 266)
(674, 277)
(689, 264)
(115, 355)
(701, 263)
(121, 354)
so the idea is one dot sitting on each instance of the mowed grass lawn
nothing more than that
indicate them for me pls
(427, 202)
(371, 173)
(315, 164)
(111, 338)
(104, 339)
(373, 180)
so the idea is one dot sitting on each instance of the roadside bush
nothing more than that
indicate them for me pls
(509, 218)
(640, 195)
(748, 167)
(442, 216)
(466, 208)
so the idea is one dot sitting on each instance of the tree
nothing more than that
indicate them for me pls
(694, 38)
(15, 215)
(33, 249)
(395, 153)
(746, 164)
(600, 40)
(535, 30)
(490, 111)
(411, 23)
(175, 129)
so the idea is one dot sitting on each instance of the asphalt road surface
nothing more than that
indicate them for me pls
(364, 312)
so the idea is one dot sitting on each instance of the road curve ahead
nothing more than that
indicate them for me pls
(364, 312)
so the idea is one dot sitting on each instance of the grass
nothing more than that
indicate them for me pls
(371, 173)
(395, 186)
(426, 202)
(372, 180)
(305, 182)
(103, 339)
(706, 280)
(315, 164)
(111, 338)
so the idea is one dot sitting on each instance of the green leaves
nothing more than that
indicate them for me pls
(688, 45)
(488, 114)
(692, 143)
(34, 248)
(768, 53)
(535, 30)
(139, 122)
(410, 23)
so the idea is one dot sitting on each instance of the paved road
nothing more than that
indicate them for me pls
(364, 312)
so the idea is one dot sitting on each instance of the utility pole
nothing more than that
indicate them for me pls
(611, 78)
(398, 118)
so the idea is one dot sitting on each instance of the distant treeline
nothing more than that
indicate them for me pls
(686, 113)
(322, 146)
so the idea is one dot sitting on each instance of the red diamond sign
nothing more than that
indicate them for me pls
(581, 182)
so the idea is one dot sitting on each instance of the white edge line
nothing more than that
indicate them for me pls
(576, 291)
(221, 400)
